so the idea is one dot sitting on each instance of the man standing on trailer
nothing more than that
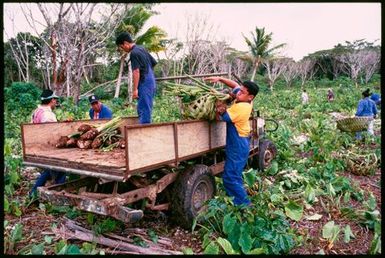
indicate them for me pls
(142, 64)
(237, 136)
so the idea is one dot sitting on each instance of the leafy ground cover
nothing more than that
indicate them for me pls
(308, 202)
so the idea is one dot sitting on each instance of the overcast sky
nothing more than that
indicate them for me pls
(305, 27)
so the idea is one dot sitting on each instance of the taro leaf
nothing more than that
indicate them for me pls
(274, 168)
(314, 217)
(70, 249)
(250, 177)
(330, 189)
(37, 249)
(347, 197)
(257, 251)
(371, 202)
(309, 194)
(153, 236)
(276, 198)
(245, 241)
(187, 250)
(348, 234)
(48, 239)
(284, 242)
(17, 233)
(212, 248)
(6, 205)
(266, 235)
(228, 223)
(293, 210)
(234, 235)
(375, 246)
(330, 231)
(226, 245)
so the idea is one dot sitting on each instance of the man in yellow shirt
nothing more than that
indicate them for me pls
(237, 136)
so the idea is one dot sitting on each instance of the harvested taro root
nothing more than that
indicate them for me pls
(84, 144)
(122, 144)
(89, 135)
(62, 142)
(96, 143)
(72, 142)
(84, 128)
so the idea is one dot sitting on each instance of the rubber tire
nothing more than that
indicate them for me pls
(193, 181)
(263, 161)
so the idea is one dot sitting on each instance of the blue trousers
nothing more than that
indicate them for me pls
(59, 178)
(146, 92)
(237, 153)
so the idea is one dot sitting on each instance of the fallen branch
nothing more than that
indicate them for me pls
(70, 230)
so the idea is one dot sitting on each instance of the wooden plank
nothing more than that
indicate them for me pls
(193, 138)
(218, 134)
(39, 137)
(114, 158)
(149, 145)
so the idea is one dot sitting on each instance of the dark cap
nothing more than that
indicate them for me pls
(366, 93)
(252, 87)
(93, 99)
(124, 36)
(48, 94)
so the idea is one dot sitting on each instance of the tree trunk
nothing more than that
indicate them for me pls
(117, 89)
(254, 72)
(53, 51)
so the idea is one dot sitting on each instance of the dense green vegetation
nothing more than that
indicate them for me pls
(284, 193)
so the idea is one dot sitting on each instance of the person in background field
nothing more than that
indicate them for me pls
(376, 98)
(330, 95)
(366, 108)
(305, 97)
(237, 136)
(44, 114)
(142, 64)
(98, 110)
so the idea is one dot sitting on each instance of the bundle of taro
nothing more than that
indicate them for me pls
(198, 100)
(106, 137)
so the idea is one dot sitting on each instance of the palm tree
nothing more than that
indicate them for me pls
(152, 39)
(259, 46)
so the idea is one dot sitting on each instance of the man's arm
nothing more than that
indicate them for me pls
(136, 77)
(232, 84)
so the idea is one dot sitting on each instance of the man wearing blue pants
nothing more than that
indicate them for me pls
(237, 136)
(142, 64)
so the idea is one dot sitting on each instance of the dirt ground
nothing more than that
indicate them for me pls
(37, 224)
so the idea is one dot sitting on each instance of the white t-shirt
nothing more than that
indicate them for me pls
(43, 114)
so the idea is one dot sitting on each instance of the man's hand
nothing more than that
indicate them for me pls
(135, 94)
(220, 107)
(212, 79)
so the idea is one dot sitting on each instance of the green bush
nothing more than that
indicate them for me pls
(22, 94)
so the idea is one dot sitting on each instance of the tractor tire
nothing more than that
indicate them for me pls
(192, 188)
(267, 152)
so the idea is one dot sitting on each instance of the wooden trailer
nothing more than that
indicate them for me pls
(166, 166)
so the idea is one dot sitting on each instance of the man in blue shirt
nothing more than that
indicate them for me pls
(376, 98)
(366, 108)
(98, 110)
(142, 64)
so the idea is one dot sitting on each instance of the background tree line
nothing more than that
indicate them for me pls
(76, 53)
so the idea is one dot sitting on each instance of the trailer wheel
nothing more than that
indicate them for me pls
(193, 187)
(266, 154)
